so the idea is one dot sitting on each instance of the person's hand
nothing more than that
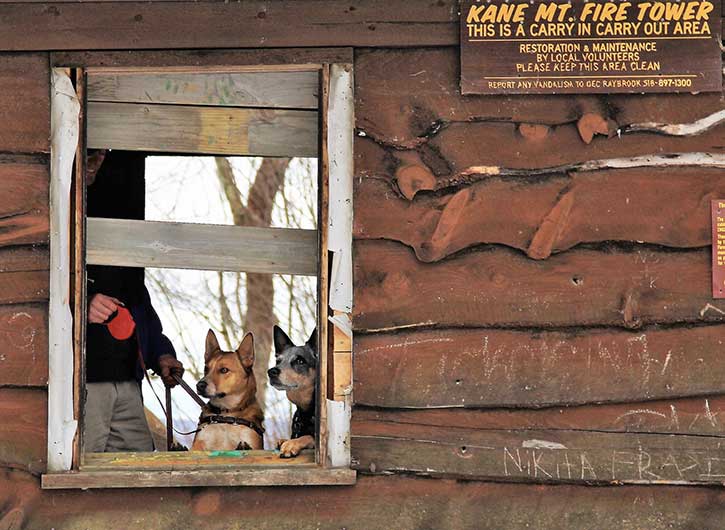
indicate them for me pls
(101, 307)
(170, 366)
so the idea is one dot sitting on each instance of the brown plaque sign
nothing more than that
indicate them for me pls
(718, 248)
(595, 46)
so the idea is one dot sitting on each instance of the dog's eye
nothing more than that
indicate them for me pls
(298, 361)
(224, 369)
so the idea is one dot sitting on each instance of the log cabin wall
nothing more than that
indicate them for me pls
(533, 317)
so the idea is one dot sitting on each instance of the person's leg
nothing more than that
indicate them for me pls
(129, 430)
(100, 398)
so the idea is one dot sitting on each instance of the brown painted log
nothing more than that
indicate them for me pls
(189, 59)
(501, 287)
(24, 287)
(23, 202)
(701, 415)
(167, 25)
(402, 95)
(24, 345)
(25, 103)
(542, 216)
(25, 258)
(23, 437)
(540, 456)
(403, 503)
(494, 368)
(469, 145)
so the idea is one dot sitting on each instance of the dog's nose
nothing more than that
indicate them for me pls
(201, 386)
(273, 372)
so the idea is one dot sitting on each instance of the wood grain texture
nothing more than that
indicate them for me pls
(129, 243)
(295, 90)
(23, 287)
(540, 456)
(700, 415)
(25, 105)
(404, 95)
(545, 215)
(501, 368)
(23, 202)
(253, 24)
(23, 439)
(503, 288)
(24, 258)
(187, 59)
(24, 345)
(404, 503)
(195, 129)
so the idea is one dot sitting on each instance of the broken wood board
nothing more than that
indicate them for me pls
(131, 243)
(202, 130)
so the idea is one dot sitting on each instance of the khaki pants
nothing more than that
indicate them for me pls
(114, 418)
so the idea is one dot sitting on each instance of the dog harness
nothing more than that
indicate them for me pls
(231, 420)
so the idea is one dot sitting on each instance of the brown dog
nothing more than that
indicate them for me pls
(232, 419)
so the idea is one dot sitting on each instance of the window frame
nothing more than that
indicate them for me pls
(335, 163)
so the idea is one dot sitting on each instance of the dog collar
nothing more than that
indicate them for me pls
(231, 420)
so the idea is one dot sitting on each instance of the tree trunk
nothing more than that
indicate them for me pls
(260, 316)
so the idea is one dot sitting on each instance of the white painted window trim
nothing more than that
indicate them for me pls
(64, 126)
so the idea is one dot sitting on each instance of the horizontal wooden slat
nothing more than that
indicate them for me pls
(24, 258)
(540, 456)
(210, 130)
(694, 415)
(191, 60)
(25, 103)
(23, 202)
(23, 287)
(249, 24)
(128, 243)
(24, 345)
(501, 287)
(23, 438)
(493, 368)
(546, 215)
(243, 89)
(402, 502)
(421, 92)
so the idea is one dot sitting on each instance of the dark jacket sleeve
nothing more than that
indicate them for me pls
(152, 341)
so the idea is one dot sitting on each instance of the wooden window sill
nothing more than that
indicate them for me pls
(209, 468)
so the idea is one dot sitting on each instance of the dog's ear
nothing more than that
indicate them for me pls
(246, 351)
(312, 341)
(281, 340)
(212, 346)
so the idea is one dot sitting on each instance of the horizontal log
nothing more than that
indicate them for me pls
(24, 345)
(539, 456)
(23, 438)
(23, 287)
(501, 287)
(195, 129)
(24, 258)
(128, 243)
(459, 145)
(405, 503)
(700, 415)
(166, 25)
(295, 89)
(541, 216)
(186, 60)
(23, 203)
(421, 91)
(502, 368)
(25, 105)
